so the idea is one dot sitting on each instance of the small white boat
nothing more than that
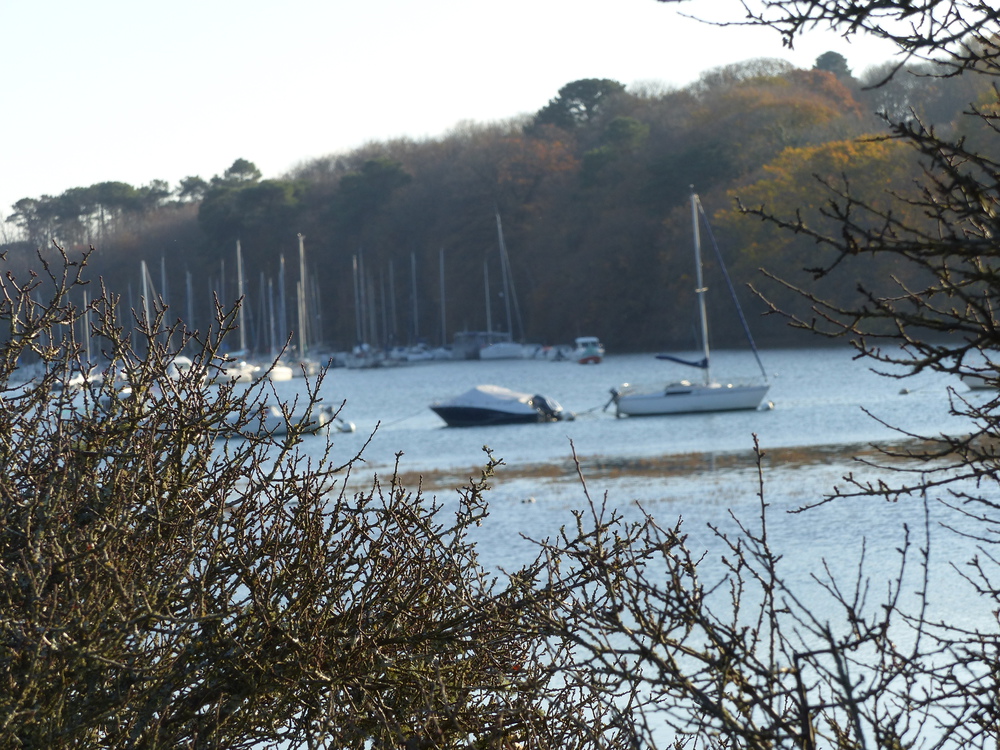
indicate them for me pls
(409, 354)
(270, 421)
(78, 380)
(277, 372)
(492, 405)
(981, 381)
(502, 350)
(684, 396)
(588, 350)
(237, 371)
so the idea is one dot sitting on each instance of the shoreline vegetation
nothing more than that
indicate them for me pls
(592, 190)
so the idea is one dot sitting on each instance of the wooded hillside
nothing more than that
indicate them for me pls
(592, 192)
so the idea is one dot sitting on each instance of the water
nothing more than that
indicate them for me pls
(699, 467)
(818, 396)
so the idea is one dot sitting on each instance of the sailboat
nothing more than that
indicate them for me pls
(502, 345)
(685, 396)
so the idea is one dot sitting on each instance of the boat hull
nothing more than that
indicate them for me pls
(589, 350)
(502, 350)
(976, 382)
(687, 398)
(492, 405)
(466, 416)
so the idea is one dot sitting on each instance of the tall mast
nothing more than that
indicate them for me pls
(413, 293)
(145, 292)
(302, 297)
(505, 276)
(239, 295)
(190, 300)
(270, 304)
(86, 327)
(486, 281)
(282, 302)
(358, 335)
(394, 328)
(444, 327)
(700, 289)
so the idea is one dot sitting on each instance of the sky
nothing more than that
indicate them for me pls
(120, 90)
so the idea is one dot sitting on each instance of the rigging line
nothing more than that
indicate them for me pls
(403, 419)
(732, 290)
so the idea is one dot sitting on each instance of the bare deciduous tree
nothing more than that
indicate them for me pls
(163, 588)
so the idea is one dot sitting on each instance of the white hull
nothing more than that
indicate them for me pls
(502, 350)
(277, 373)
(685, 398)
(977, 382)
(270, 422)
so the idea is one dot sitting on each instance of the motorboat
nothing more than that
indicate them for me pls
(236, 371)
(493, 404)
(277, 372)
(270, 421)
(684, 396)
(588, 350)
(976, 381)
(502, 350)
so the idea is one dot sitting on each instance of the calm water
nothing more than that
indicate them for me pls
(819, 398)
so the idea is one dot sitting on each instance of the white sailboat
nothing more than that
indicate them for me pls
(502, 346)
(685, 396)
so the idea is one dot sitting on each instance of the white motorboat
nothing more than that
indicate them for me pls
(980, 381)
(270, 421)
(493, 404)
(684, 396)
(237, 371)
(588, 350)
(278, 372)
(502, 350)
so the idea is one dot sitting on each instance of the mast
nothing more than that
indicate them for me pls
(489, 315)
(163, 280)
(700, 289)
(145, 292)
(444, 328)
(282, 302)
(505, 276)
(302, 297)
(239, 297)
(86, 327)
(190, 300)
(394, 329)
(270, 304)
(413, 292)
(358, 336)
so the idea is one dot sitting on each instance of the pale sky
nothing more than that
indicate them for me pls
(135, 91)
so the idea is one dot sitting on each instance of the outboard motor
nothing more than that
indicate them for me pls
(548, 408)
(613, 400)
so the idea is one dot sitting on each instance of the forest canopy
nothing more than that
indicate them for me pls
(591, 190)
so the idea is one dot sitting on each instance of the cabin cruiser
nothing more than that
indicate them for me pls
(588, 350)
(270, 421)
(493, 404)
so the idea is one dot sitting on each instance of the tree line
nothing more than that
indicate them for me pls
(591, 190)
